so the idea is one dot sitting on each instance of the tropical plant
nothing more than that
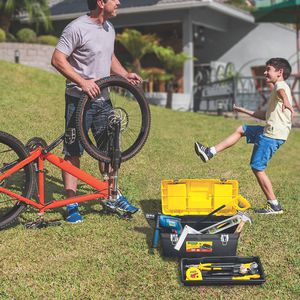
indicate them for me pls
(11, 38)
(172, 62)
(47, 40)
(154, 75)
(26, 35)
(37, 11)
(243, 4)
(137, 44)
(2, 36)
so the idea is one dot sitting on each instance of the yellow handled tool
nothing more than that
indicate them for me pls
(220, 266)
(246, 277)
(195, 274)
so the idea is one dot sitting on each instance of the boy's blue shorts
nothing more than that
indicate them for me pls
(264, 147)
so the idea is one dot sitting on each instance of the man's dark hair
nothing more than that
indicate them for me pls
(280, 63)
(92, 4)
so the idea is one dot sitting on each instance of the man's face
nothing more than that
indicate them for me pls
(110, 8)
(271, 74)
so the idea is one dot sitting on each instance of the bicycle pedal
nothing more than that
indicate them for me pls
(39, 224)
(125, 216)
(106, 211)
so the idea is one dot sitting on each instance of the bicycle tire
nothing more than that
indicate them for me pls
(126, 100)
(21, 182)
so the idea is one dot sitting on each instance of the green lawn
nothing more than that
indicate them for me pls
(107, 258)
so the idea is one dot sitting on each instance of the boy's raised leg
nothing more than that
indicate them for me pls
(206, 153)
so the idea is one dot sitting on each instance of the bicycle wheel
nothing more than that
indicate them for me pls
(119, 99)
(21, 182)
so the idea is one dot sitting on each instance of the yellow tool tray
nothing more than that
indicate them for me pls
(201, 197)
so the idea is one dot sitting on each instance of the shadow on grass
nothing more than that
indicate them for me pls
(152, 206)
(149, 206)
(54, 191)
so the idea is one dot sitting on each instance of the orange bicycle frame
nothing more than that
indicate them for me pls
(102, 188)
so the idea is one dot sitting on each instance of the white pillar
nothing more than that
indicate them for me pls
(188, 48)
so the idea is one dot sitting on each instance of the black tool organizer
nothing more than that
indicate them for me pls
(215, 248)
(221, 280)
(201, 245)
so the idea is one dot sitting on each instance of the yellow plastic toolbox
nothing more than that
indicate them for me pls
(201, 197)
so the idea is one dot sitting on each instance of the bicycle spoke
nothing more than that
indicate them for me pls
(119, 103)
(15, 183)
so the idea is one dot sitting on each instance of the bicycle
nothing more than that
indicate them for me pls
(126, 133)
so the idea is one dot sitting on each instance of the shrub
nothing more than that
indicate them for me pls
(26, 35)
(10, 38)
(47, 40)
(2, 35)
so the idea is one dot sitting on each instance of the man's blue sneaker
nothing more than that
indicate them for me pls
(270, 209)
(122, 204)
(203, 152)
(73, 214)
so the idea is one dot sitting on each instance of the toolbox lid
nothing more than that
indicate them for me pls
(201, 197)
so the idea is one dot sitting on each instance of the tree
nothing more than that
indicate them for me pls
(37, 10)
(172, 62)
(243, 4)
(137, 45)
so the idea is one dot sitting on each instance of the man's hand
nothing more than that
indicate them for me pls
(133, 78)
(90, 88)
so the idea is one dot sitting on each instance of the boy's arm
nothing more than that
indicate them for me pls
(258, 114)
(286, 103)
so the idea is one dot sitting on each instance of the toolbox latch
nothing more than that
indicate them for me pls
(224, 239)
(174, 238)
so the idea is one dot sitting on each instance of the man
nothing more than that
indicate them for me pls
(84, 54)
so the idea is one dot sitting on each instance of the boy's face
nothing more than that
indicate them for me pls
(272, 75)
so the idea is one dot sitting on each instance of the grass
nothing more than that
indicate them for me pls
(108, 258)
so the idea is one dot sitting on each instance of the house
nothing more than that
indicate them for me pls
(212, 31)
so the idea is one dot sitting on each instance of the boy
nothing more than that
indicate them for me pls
(266, 139)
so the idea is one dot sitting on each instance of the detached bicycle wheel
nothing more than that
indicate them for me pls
(21, 182)
(119, 100)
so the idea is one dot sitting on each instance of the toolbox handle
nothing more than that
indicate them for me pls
(241, 204)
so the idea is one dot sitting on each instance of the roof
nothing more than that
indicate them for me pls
(63, 9)
(72, 6)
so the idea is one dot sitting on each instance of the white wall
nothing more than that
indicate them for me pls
(34, 55)
(261, 43)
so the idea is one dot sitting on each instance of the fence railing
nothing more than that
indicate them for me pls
(249, 92)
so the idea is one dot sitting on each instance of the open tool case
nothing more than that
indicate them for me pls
(193, 201)
(191, 273)
(206, 246)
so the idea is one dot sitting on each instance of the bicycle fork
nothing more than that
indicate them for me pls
(115, 153)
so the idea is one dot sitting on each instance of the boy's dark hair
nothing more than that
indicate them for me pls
(92, 4)
(280, 63)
